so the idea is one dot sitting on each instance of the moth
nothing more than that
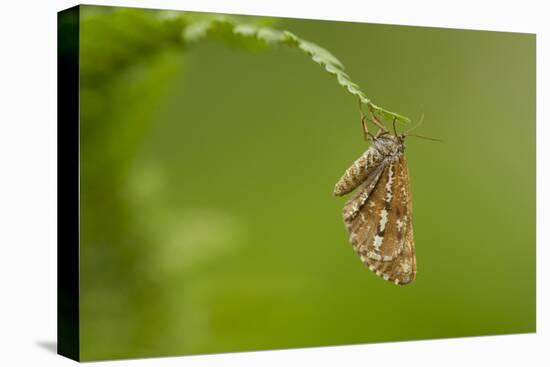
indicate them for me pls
(378, 218)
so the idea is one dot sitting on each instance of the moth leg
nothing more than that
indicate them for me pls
(366, 134)
(364, 118)
(377, 122)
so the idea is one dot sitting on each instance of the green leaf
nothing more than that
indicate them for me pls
(228, 28)
(127, 35)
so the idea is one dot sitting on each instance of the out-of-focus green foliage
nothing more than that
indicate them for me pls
(129, 60)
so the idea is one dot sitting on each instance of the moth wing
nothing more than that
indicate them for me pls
(382, 231)
(359, 171)
(363, 225)
(359, 199)
(402, 269)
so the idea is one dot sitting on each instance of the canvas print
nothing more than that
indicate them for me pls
(238, 183)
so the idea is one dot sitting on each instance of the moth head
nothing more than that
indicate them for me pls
(389, 144)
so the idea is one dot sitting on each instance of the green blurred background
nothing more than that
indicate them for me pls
(208, 222)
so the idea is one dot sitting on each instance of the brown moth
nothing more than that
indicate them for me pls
(378, 217)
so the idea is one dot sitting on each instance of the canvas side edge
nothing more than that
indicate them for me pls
(68, 215)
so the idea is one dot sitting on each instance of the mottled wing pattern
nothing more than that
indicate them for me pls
(353, 206)
(380, 226)
(359, 171)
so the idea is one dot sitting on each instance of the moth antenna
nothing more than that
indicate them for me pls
(394, 129)
(417, 125)
(425, 137)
